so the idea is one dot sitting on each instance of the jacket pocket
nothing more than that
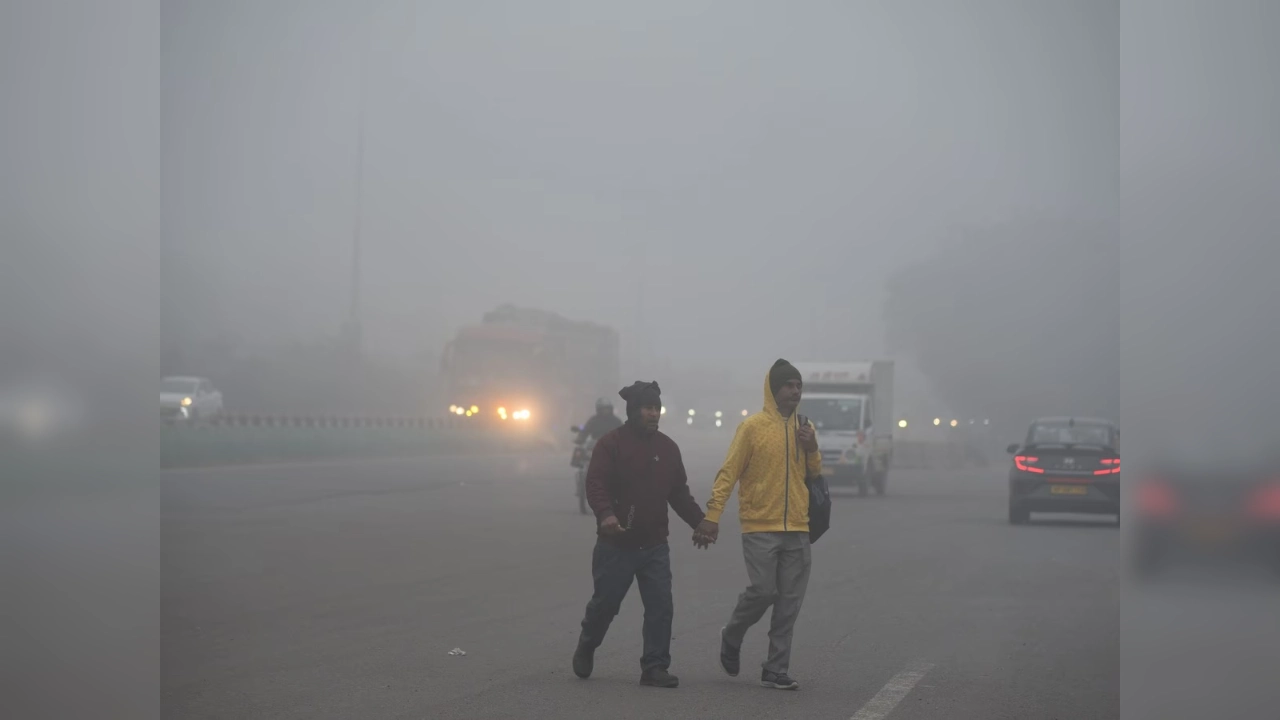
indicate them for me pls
(799, 505)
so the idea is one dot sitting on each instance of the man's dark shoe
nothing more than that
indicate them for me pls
(728, 656)
(778, 681)
(584, 660)
(658, 677)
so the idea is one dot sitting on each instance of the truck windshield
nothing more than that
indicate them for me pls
(177, 386)
(492, 359)
(834, 413)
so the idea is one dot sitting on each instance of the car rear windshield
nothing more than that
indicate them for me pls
(1065, 433)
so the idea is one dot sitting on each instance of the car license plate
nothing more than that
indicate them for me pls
(1068, 490)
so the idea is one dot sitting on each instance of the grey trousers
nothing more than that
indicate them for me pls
(778, 569)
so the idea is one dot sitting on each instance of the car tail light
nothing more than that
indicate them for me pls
(1025, 463)
(1156, 499)
(1111, 466)
(1265, 503)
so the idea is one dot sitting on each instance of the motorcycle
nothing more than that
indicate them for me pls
(581, 459)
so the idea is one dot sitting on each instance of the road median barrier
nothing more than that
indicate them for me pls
(932, 455)
(240, 439)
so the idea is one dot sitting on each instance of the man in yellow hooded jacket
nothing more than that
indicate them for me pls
(769, 460)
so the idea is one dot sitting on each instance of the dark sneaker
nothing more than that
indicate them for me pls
(584, 660)
(728, 657)
(658, 677)
(778, 681)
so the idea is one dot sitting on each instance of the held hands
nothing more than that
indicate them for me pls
(706, 534)
(807, 438)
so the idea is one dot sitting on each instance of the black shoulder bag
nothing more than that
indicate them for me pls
(819, 498)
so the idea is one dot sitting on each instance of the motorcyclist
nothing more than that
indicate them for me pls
(599, 425)
(602, 422)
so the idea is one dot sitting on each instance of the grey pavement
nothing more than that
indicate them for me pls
(338, 590)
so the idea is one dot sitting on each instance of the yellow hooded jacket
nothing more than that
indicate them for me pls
(771, 469)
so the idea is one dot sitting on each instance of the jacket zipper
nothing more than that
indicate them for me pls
(648, 467)
(786, 499)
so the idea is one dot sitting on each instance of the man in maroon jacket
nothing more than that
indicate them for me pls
(635, 472)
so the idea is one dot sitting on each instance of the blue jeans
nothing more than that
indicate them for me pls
(612, 569)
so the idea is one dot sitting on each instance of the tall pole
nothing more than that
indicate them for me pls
(813, 332)
(642, 330)
(353, 320)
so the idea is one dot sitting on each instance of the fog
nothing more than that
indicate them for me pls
(723, 183)
(1033, 208)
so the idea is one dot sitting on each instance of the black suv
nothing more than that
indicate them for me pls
(1066, 465)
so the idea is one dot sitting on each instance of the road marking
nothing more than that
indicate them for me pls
(879, 707)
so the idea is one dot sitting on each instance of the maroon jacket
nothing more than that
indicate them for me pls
(634, 477)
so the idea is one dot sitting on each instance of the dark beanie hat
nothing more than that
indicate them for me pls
(780, 374)
(640, 394)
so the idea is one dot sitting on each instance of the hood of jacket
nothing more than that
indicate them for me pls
(770, 402)
(769, 470)
(771, 410)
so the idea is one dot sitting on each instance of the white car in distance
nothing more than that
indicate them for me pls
(188, 398)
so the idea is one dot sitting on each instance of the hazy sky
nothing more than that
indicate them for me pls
(714, 179)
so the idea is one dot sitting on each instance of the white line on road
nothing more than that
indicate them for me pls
(879, 707)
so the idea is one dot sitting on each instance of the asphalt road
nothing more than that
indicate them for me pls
(338, 590)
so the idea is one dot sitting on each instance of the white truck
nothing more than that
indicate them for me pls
(851, 405)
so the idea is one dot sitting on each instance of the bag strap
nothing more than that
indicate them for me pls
(801, 421)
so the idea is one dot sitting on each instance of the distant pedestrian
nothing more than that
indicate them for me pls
(635, 473)
(771, 456)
